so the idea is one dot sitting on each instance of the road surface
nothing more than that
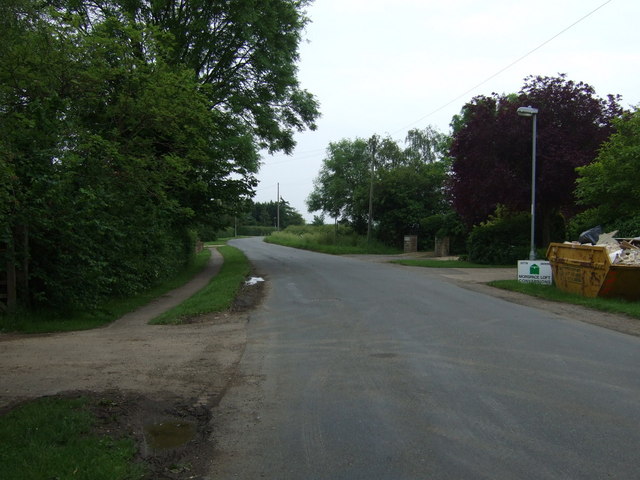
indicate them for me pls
(362, 370)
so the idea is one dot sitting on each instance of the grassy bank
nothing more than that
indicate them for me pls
(431, 263)
(55, 438)
(47, 321)
(550, 292)
(218, 295)
(325, 239)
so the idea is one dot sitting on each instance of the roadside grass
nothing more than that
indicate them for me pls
(52, 438)
(431, 263)
(550, 292)
(218, 295)
(325, 241)
(546, 292)
(44, 321)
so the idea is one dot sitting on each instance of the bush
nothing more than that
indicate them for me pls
(628, 227)
(440, 226)
(501, 240)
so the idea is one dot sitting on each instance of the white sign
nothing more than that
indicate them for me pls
(534, 271)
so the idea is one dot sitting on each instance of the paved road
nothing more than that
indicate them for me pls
(361, 370)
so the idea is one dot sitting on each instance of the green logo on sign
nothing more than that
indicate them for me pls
(534, 269)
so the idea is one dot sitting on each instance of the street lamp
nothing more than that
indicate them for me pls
(532, 112)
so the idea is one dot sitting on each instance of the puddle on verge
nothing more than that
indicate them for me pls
(169, 434)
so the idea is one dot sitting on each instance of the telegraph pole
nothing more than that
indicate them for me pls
(278, 204)
(372, 144)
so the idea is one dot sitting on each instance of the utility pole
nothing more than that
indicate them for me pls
(278, 204)
(373, 142)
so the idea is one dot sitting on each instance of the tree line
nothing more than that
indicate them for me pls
(479, 176)
(128, 125)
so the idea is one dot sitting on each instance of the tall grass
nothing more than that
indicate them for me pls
(328, 239)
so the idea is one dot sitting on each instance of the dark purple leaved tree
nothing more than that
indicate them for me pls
(491, 148)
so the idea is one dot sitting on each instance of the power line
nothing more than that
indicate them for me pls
(505, 68)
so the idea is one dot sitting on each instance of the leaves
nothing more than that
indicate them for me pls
(126, 124)
(491, 147)
(407, 183)
(610, 185)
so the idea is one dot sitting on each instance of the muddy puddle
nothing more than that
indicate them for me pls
(169, 434)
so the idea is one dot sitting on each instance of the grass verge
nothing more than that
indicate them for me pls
(326, 242)
(46, 321)
(430, 263)
(218, 295)
(51, 438)
(550, 292)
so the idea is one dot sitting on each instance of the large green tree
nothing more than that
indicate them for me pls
(36, 69)
(244, 52)
(126, 124)
(342, 186)
(405, 195)
(266, 214)
(610, 186)
(407, 183)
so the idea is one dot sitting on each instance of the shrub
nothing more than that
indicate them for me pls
(443, 225)
(628, 227)
(501, 240)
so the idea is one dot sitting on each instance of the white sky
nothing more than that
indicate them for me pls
(386, 66)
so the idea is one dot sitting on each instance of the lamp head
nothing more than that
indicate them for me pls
(527, 111)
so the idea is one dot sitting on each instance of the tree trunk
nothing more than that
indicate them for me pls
(14, 284)
(22, 280)
(11, 284)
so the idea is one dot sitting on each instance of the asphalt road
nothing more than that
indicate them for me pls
(362, 370)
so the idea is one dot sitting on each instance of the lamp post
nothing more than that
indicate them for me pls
(532, 112)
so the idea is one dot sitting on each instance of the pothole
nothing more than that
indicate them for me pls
(169, 434)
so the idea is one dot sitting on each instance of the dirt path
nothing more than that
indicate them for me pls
(191, 361)
(144, 372)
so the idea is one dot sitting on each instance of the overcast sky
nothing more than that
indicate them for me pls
(387, 66)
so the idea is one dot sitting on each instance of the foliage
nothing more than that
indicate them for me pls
(318, 220)
(611, 184)
(127, 126)
(342, 187)
(404, 195)
(491, 148)
(628, 227)
(52, 438)
(218, 295)
(330, 239)
(501, 240)
(46, 320)
(443, 225)
(428, 145)
(266, 214)
(407, 183)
